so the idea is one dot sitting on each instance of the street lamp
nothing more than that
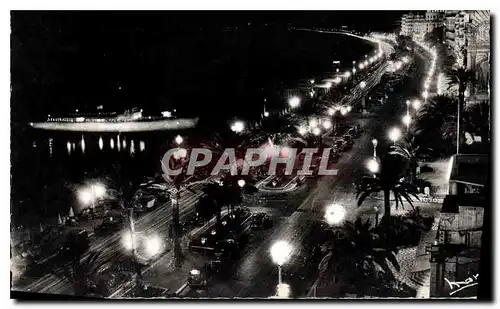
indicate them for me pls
(343, 110)
(362, 84)
(327, 124)
(241, 183)
(316, 131)
(91, 193)
(313, 123)
(334, 214)
(373, 166)
(238, 126)
(425, 95)
(328, 85)
(280, 253)
(294, 102)
(331, 111)
(416, 104)
(178, 139)
(394, 134)
(302, 130)
(361, 66)
(407, 121)
(311, 81)
(375, 143)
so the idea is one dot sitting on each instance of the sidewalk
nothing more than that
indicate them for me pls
(421, 273)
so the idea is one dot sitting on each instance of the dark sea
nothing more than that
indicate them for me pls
(213, 74)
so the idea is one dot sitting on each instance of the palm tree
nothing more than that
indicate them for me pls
(82, 275)
(409, 150)
(460, 78)
(431, 118)
(358, 257)
(435, 113)
(387, 181)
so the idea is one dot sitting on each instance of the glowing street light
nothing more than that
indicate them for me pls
(334, 214)
(375, 143)
(238, 126)
(343, 110)
(311, 81)
(407, 121)
(280, 253)
(425, 94)
(347, 74)
(302, 130)
(327, 124)
(362, 85)
(366, 63)
(373, 166)
(416, 104)
(313, 123)
(328, 85)
(294, 102)
(316, 131)
(178, 139)
(90, 194)
(153, 245)
(361, 66)
(394, 134)
(331, 111)
(353, 70)
(241, 183)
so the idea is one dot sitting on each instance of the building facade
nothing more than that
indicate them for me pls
(417, 25)
(455, 255)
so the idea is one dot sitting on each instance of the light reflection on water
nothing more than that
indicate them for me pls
(84, 144)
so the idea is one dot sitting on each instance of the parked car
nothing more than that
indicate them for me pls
(261, 221)
(109, 225)
(334, 156)
(194, 220)
(75, 244)
(348, 139)
(340, 145)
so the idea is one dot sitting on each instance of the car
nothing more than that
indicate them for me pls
(348, 139)
(194, 220)
(75, 244)
(109, 225)
(261, 221)
(228, 249)
(334, 156)
(340, 145)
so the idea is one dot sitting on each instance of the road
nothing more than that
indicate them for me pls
(255, 274)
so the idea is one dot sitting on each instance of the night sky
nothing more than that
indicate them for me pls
(156, 60)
